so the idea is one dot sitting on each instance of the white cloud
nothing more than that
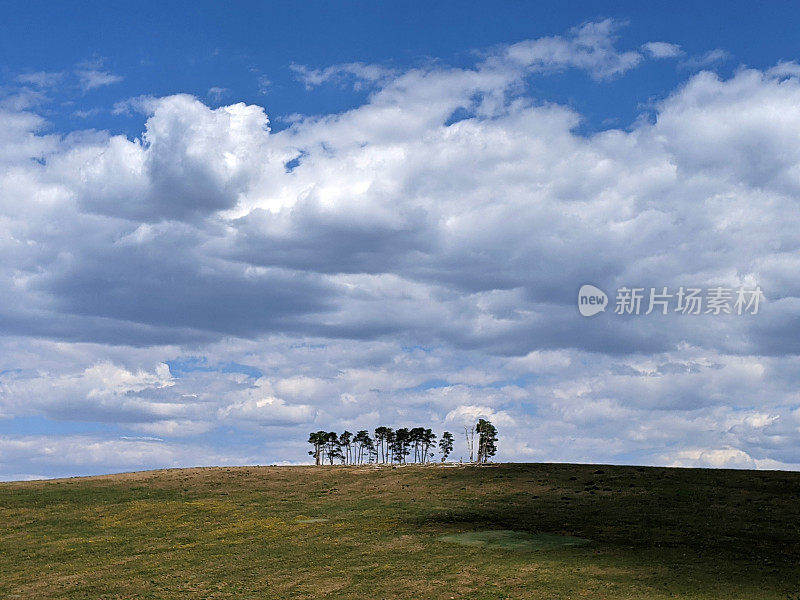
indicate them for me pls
(144, 104)
(718, 458)
(91, 74)
(215, 94)
(266, 411)
(662, 49)
(264, 84)
(708, 59)
(85, 114)
(41, 79)
(21, 99)
(413, 260)
(89, 455)
(361, 74)
(469, 414)
(93, 78)
(589, 47)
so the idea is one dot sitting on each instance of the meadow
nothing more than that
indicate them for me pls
(465, 532)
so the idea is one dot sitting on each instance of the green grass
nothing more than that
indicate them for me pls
(350, 532)
(513, 540)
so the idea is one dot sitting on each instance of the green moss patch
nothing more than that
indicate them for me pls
(314, 520)
(513, 540)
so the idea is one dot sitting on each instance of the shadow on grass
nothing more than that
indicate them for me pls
(733, 525)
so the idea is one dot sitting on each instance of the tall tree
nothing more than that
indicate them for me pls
(389, 442)
(381, 439)
(428, 441)
(446, 445)
(469, 433)
(332, 447)
(361, 441)
(346, 444)
(318, 439)
(487, 438)
(416, 436)
(401, 444)
(372, 451)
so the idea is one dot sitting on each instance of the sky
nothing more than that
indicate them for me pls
(226, 225)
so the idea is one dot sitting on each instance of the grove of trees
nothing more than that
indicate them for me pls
(403, 445)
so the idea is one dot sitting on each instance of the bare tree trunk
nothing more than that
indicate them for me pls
(469, 433)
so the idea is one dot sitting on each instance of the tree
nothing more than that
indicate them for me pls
(372, 452)
(318, 440)
(345, 443)
(332, 447)
(400, 445)
(446, 445)
(362, 443)
(415, 437)
(487, 436)
(382, 435)
(389, 443)
(469, 433)
(428, 440)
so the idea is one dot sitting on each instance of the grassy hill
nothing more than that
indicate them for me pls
(364, 532)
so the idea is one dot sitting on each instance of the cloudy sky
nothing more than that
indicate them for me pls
(221, 229)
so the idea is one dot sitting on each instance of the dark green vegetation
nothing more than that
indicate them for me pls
(259, 533)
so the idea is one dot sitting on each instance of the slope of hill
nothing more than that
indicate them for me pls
(366, 532)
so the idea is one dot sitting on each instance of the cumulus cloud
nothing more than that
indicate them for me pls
(413, 260)
(467, 415)
(266, 410)
(720, 458)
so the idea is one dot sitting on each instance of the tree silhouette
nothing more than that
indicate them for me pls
(390, 441)
(382, 440)
(428, 440)
(487, 438)
(363, 443)
(390, 446)
(332, 447)
(346, 446)
(446, 445)
(415, 436)
(401, 445)
(318, 439)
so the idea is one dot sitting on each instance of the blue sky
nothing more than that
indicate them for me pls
(193, 47)
(223, 226)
